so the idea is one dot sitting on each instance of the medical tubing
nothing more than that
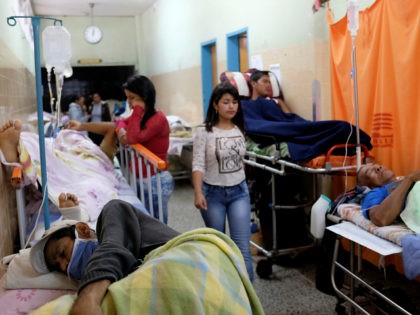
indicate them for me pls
(356, 105)
(59, 78)
(52, 99)
(37, 219)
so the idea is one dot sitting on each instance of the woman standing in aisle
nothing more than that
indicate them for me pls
(220, 188)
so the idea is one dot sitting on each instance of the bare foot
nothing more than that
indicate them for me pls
(9, 139)
(67, 200)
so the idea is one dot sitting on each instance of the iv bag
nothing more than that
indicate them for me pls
(353, 17)
(56, 44)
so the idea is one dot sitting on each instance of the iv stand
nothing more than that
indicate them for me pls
(36, 21)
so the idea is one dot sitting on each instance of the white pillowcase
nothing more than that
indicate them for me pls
(21, 275)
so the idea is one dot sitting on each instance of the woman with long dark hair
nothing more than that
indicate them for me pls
(147, 126)
(220, 189)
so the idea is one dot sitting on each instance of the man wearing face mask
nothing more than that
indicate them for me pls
(124, 236)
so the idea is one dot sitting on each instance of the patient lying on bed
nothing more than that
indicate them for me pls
(388, 195)
(83, 167)
(124, 236)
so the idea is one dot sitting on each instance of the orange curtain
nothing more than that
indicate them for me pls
(388, 74)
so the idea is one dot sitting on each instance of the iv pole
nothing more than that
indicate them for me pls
(11, 20)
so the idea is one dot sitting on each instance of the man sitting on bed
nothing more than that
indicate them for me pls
(124, 236)
(386, 199)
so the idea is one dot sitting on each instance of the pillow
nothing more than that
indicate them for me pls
(24, 301)
(240, 80)
(21, 275)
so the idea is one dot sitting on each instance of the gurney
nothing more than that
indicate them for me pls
(380, 246)
(305, 184)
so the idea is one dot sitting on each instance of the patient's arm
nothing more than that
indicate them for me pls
(283, 105)
(388, 210)
(101, 128)
(90, 298)
(107, 129)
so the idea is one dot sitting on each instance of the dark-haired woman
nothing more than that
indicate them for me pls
(220, 190)
(146, 126)
(149, 127)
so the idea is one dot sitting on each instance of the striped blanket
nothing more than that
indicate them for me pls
(198, 272)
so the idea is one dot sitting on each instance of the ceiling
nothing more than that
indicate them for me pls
(82, 7)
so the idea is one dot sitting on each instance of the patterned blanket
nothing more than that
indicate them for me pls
(74, 164)
(198, 272)
(393, 233)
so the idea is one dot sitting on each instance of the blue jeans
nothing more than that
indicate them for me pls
(167, 186)
(232, 202)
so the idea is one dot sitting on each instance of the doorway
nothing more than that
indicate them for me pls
(237, 51)
(208, 71)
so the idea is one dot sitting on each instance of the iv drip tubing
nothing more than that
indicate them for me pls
(356, 105)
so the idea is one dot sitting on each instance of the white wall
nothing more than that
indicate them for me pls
(14, 47)
(117, 47)
(171, 31)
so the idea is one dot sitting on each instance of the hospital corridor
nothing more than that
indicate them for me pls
(209, 157)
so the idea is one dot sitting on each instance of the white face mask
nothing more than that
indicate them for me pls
(82, 251)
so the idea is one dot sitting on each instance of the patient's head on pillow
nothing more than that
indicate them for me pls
(66, 247)
(260, 84)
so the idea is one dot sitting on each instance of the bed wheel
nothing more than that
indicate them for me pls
(264, 268)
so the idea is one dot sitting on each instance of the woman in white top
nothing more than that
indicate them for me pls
(220, 188)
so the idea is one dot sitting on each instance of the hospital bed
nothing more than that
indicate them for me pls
(381, 246)
(203, 251)
(180, 148)
(288, 175)
(286, 180)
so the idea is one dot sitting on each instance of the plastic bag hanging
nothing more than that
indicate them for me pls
(56, 44)
(57, 53)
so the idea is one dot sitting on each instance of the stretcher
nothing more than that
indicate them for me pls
(20, 289)
(360, 238)
(306, 183)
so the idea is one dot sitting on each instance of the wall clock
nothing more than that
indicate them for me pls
(93, 34)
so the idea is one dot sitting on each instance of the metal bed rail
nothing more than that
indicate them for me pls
(131, 159)
(327, 169)
(281, 167)
(351, 232)
(264, 267)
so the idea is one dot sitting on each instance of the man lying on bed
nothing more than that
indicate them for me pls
(384, 203)
(124, 236)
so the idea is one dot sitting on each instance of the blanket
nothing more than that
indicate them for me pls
(74, 164)
(198, 272)
(305, 139)
(399, 234)
(411, 256)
